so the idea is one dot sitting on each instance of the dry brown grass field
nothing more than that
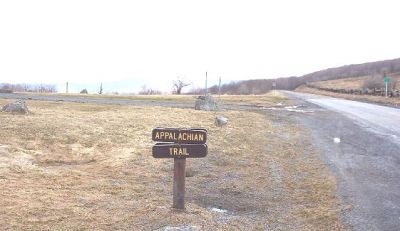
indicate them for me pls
(268, 99)
(74, 166)
(182, 98)
(353, 83)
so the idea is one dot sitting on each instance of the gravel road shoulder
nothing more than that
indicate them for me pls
(365, 163)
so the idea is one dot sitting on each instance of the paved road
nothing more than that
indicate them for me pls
(366, 161)
(380, 119)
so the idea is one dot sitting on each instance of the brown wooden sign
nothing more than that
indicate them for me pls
(183, 136)
(179, 144)
(171, 150)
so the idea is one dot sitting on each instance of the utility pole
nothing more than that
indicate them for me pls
(206, 90)
(66, 88)
(386, 85)
(219, 88)
(101, 89)
(386, 80)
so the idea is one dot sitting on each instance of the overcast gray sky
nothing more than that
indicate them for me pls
(130, 43)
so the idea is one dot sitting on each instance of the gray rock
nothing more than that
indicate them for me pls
(18, 107)
(220, 120)
(206, 103)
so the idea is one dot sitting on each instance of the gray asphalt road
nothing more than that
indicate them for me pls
(361, 145)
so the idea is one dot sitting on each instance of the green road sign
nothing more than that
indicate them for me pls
(386, 79)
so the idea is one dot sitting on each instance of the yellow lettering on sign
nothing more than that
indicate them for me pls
(187, 136)
(178, 152)
(181, 136)
(201, 136)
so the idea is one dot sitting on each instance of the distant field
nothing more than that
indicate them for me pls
(112, 96)
(268, 99)
(353, 83)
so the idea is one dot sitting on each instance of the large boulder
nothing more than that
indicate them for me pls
(206, 103)
(220, 120)
(18, 107)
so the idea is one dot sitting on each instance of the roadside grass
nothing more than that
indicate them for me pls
(70, 166)
(265, 100)
(354, 83)
(348, 83)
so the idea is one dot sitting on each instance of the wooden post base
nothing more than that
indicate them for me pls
(179, 183)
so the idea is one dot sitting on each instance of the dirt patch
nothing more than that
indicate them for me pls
(84, 166)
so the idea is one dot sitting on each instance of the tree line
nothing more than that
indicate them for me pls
(22, 87)
(246, 87)
(261, 86)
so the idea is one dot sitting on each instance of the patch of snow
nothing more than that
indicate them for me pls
(291, 107)
(336, 140)
(180, 228)
(218, 210)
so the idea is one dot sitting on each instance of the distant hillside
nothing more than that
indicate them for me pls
(261, 86)
(354, 70)
(357, 82)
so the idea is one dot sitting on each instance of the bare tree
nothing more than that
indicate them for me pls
(178, 85)
(149, 91)
(144, 90)
(7, 87)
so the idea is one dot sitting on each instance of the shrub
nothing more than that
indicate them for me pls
(372, 82)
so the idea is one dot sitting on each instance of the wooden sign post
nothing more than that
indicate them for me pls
(178, 201)
(179, 144)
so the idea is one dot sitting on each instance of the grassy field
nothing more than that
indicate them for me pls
(268, 99)
(181, 98)
(353, 83)
(72, 166)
